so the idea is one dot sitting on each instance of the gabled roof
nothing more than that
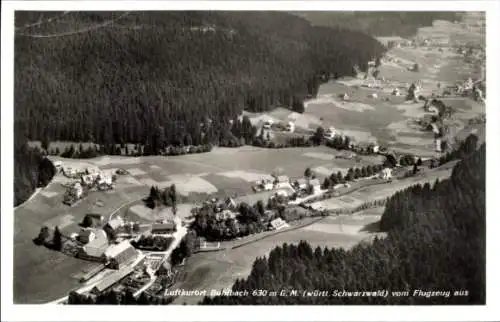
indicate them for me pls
(314, 182)
(116, 249)
(113, 278)
(115, 222)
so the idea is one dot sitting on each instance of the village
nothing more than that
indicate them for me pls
(133, 246)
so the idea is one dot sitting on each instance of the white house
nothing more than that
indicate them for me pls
(315, 184)
(57, 164)
(77, 190)
(386, 174)
(330, 133)
(290, 127)
(277, 224)
(374, 95)
(438, 145)
(268, 124)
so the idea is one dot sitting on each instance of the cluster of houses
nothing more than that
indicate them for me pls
(90, 178)
(288, 126)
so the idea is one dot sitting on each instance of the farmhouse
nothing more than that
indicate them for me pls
(290, 127)
(386, 174)
(277, 224)
(95, 249)
(113, 225)
(315, 185)
(110, 280)
(300, 184)
(161, 229)
(119, 255)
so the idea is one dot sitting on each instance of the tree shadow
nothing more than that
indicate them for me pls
(373, 227)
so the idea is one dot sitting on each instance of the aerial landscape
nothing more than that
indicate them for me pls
(220, 158)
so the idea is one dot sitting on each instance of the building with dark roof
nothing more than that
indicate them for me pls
(164, 228)
(111, 279)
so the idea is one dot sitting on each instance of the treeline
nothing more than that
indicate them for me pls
(31, 170)
(352, 174)
(248, 220)
(380, 23)
(435, 241)
(172, 78)
(465, 148)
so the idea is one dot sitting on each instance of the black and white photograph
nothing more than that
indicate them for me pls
(203, 156)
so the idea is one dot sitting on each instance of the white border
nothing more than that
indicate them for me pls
(193, 313)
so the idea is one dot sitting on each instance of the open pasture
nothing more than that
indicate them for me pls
(219, 269)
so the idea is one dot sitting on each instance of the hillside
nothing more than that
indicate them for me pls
(119, 77)
(440, 246)
(378, 23)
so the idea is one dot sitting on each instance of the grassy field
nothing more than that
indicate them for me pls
(207, 271)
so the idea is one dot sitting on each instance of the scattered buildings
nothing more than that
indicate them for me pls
(120, 254)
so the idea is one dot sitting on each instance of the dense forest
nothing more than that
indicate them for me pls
(155, 78)
(379, 23)
(438, 243)
(31, 170)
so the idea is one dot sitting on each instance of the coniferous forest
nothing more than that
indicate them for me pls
(31, 170)
(163, 79)
(157, 77)
(437, 243)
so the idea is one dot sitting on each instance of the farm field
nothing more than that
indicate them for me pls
(223, 171)
(386, 119)
(217, 270)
